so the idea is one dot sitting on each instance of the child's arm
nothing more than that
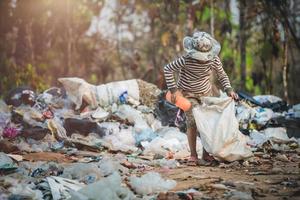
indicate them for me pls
(221, 74)
(169, 70)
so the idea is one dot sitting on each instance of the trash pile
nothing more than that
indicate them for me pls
(68, 142)
(269, 119)
(55, 145)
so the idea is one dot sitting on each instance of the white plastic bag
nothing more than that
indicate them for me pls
(105, 94)
(218, 127)
(107, 188)
(171, 140)
(151, 183)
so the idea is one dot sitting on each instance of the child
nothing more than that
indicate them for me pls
(194, 70)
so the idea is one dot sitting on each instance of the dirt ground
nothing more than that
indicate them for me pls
(269, 174)
(262, 179)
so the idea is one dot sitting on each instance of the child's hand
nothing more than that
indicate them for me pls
(233, 95)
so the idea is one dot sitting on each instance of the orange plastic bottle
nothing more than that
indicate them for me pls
(180, 101)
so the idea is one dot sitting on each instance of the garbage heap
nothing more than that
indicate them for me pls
(268, 120)
(68, 142)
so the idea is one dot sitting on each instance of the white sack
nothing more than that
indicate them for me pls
(102, 95)
(218, 127)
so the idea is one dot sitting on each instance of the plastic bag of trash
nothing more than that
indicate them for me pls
(218, 127)
(105, 94)
(105, 189)
(151, 183)
(169, 114)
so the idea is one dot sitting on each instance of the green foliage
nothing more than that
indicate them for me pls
(206, 14)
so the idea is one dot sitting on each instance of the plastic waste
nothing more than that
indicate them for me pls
(106, 189)
(11, 131)
(144, 135)
(47, 169)
(24, 191)
(170, 139)
(84, 172)
(249, 98)
(296, 109)
(238, 195)
(106, 94)
(56, 128)
(100, 114)
(267, 98)
(62, 188)
(171, 164)
(6, 163)
(244, 114)
(57, 145)
(4, 120)
(218, 127)
(132, 115)
(54, 97)
(28, 116)
(110, 127)
(292, 124)
(278, 133)
(263, 115)
(108, 166)
(123, 97)
(266, 101)
(257, 139)
(3, 107)
(21, 95)
(122, 141)
(151, 183)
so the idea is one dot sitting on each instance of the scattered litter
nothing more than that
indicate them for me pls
(62, 188)
(151, 183)
(94, 142)
(6, 163)
(238, 195)
(106, 189)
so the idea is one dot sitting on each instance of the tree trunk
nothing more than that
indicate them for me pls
(69, 40)
(242, 43)
(212, 18)
(285, 64)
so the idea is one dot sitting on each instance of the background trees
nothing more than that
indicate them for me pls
(104, 41)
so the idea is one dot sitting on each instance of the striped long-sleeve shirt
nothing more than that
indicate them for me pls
(194, 76)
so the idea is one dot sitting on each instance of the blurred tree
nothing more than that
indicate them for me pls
(43, 40)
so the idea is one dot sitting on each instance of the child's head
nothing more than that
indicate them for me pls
(201, 46)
